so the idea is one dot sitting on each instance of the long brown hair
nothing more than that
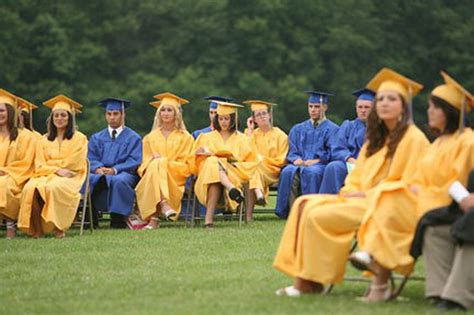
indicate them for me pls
(12, 129)
(378, 134)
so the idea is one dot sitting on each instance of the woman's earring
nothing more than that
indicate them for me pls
(400, 118)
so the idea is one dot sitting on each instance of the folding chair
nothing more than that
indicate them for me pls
(396, 290)
(192, 206)
(86, 204)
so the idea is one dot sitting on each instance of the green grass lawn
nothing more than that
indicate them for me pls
(172, 270)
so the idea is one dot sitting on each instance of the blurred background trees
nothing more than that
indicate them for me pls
(260, 49)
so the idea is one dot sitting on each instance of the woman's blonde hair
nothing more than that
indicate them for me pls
(178, 118)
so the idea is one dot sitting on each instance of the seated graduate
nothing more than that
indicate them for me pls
(349, 141)
(442, 176)
(212, 113)
(51, 197)
(224, 160)
(196, 133)
(17, 153)
(26, 116)
(446, 160)
(309, 152)
(165, 167)
(114, 155)
(272, 147)
(320, 230)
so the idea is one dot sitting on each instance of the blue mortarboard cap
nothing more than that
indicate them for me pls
(112, 103)
(213, 99)
(364, 94)
(316, 97)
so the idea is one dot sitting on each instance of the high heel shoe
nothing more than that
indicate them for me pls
(236, 195)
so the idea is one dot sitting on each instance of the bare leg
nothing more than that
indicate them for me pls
(213, 193)
(11, 231)
(225, 180)
(58, 233)
(379, 284)
(252, 198)
(307, 286)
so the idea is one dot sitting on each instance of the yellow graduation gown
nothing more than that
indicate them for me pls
(206, 168)
(16, 160)
(61, 195)
(166, 175)
(446, 161)
(272, 147)
(316, 241)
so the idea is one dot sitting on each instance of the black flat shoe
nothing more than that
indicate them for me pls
(434, 300)
(448, 306)
(235, 195)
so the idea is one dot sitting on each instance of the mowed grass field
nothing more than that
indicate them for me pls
(172, 270)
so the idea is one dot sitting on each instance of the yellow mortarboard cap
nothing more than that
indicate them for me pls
(171, 99)
(225, 108)
(257, 104)
(63, 102)
(26, 105)
(389, 80)
(8, 98)
(454, 93)
(156, 104)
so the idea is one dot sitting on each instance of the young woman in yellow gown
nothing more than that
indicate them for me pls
(449, 159)
(320, 230)
(17, 153)
(164, 167)
(224, 160)
(51, 197)
(272, 146)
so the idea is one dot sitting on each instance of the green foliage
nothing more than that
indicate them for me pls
(268, 49)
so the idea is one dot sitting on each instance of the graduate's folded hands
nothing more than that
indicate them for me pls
(311, 162)
(65, 173)
(203, 151)
(298, 162)
(354, 194)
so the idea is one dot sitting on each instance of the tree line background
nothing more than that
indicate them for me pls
(247, 49)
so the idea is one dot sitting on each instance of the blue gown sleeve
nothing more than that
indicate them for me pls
(294, 152)
(329, 138)
(93, 154)
(134, 158)
(340, 148)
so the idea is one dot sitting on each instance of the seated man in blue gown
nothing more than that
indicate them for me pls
(346, 148)
(309, 152)
(114, 154)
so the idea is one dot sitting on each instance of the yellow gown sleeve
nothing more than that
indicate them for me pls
(147, 153)
(353, 180)
(279, 160)
(180, 164)
(22, 168)
(42, 168)
(77, 154)
(193, 159)
(74, 159)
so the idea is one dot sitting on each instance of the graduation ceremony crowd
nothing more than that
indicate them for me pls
(375, 179)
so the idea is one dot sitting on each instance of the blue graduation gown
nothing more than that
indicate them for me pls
(350, 139)
(306, 143)
(196, 133)
(125, 155)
